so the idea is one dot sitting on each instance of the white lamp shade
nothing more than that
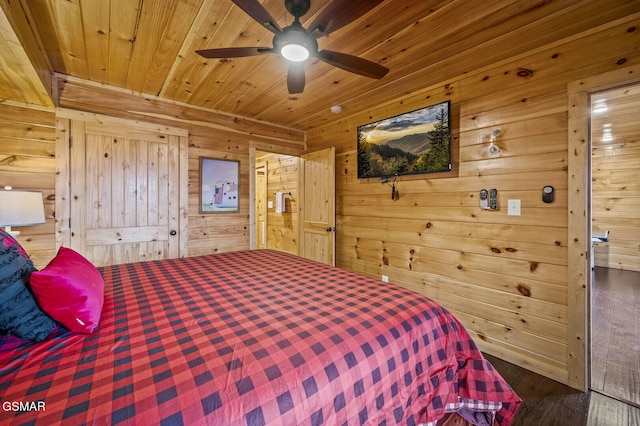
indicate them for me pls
(21, 208)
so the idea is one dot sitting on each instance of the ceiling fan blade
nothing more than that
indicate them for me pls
(233, 52)
(338, 14)
(353, 64)
(295, 78)
(254, 9)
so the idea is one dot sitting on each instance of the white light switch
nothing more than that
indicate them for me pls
(513, 207)
(269, 204)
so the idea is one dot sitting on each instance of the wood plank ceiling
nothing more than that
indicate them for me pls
(148, 46)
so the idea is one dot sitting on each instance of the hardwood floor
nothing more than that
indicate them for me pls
(605, 411)
(546, 402)
(615, 365)
(615, 331)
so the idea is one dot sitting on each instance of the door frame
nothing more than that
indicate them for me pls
(579, 215)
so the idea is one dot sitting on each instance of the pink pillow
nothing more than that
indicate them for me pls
(71, 290)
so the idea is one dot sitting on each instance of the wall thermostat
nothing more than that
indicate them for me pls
(484, 199)
(489, 199)
(493, 199)
(548, 194)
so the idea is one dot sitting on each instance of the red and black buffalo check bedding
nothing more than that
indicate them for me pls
(253, 338)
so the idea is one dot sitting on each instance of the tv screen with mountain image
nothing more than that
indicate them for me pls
(414, 142)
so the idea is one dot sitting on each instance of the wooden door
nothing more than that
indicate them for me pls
(318, 215)
(127, 199)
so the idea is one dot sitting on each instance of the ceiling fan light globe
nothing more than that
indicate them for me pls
(294, 52)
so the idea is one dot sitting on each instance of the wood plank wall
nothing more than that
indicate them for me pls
(615, 187)
(282, 175)
(504, 276)
(211, 134)
(27, 161)
(27, 156)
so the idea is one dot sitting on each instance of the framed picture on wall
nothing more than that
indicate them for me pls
(219, 185)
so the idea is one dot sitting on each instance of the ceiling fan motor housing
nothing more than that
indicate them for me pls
(295, 34)
(297, 7)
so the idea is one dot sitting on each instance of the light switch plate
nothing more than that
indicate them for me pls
(513, 207)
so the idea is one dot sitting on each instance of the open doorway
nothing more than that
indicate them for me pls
(579, 215)
(261, 206)
(615, 253)
(277, 193)
(299, 195)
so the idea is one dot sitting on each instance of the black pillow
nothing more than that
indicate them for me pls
(19, 312)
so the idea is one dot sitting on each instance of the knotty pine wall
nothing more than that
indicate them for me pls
(27, 157)
(211, 134)
(27, 161)
(282, 175)
(504, 276)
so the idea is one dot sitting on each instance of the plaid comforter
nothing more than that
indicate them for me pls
(253, 338)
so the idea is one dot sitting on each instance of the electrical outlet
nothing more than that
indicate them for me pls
(385, 278)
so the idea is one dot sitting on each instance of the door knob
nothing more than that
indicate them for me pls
(172, 232)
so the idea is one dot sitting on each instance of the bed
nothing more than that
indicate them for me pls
(253, 338)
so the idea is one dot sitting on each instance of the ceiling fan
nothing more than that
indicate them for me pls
(296, 44)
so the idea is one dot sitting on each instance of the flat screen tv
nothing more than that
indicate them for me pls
(414, 142)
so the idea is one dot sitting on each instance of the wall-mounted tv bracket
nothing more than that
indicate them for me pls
(395, 195)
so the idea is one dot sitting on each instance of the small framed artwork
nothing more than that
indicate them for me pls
(219, 185)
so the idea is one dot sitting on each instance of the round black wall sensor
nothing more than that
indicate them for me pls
(548, 194)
